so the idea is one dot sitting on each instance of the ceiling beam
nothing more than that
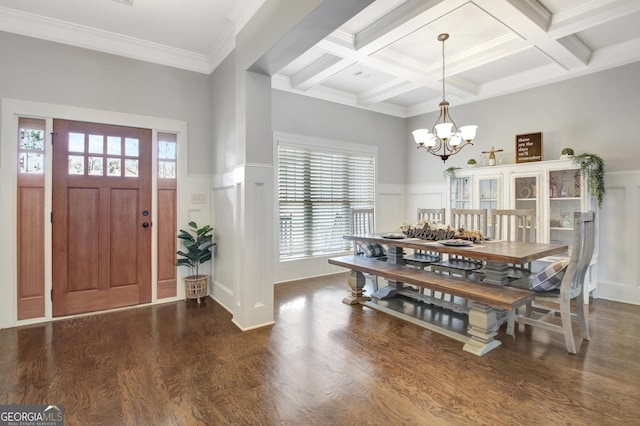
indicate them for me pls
(590, 14)
(526, 18)
(319, 71)
(383, 92)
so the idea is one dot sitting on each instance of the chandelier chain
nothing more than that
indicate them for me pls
(443, 94)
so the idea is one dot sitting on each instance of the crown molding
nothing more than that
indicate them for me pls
(40, 27)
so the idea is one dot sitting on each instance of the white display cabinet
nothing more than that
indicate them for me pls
(554, 189)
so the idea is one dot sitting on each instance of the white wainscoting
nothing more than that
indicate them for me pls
(619, 269)
(425, 196)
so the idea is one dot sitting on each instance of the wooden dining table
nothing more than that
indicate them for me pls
(495, 255)
(474, 323)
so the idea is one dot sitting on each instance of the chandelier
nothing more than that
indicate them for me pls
(445, 138)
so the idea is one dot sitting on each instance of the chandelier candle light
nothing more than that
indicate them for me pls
(445, 134)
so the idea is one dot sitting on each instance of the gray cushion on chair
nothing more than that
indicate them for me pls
(550, 277)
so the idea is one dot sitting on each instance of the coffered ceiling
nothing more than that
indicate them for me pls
(386, 59)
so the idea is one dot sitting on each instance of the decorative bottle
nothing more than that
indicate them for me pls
(492, 158)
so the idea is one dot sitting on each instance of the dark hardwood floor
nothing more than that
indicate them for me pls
(322, 363)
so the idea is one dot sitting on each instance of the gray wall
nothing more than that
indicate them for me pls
(302, 115)
(596, 113)
(223, 198)
(223, 118)
(41, 71)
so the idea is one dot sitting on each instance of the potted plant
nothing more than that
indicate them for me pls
(198, 243)
(450, 172)
(592, 167)
(472, 162)
(566, 153)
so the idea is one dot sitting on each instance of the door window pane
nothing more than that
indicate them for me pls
(31, 153)
(114, 145)
(167, 155)
(31, 139)
(76, 142)
(76, 165)
(96, 144)
(31, 162)
(96, 166)
(114, 167)
(167, 169)
(131, 147)
(131, 167)
(167, 150)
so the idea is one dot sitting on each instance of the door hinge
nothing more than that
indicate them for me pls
(52, 295)
(51, 217)
(53, 136)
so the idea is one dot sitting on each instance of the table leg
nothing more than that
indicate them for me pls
(356, 283)
(495, 272)
(395, 255)
(483, 327)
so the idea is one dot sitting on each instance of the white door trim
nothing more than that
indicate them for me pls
(11, 110)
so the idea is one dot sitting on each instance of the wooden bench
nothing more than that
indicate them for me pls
(491, 304)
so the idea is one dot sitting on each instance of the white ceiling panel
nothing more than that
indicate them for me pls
(357, 79)
(417, 96)
(514, 64)
(422, 46)
(612, 33)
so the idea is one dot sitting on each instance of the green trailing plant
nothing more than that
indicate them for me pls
(450, 172)
(592, 167)
(198, 243)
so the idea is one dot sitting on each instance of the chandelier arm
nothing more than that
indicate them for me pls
(454, 129)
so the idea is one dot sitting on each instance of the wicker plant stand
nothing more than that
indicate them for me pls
(195, 286)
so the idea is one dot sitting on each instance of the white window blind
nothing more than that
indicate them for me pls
(316, 192)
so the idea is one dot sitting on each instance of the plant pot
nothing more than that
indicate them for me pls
(195, 286)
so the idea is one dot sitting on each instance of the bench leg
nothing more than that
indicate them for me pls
(483, 327)
(356, 282)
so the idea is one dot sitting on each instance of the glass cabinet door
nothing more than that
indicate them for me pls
(525, 194)
(488, 193)
(564, 200)
(488, 197)
(461, 193)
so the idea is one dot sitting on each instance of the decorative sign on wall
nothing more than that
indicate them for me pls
(529, 148)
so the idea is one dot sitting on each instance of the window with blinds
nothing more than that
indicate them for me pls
(316, 191)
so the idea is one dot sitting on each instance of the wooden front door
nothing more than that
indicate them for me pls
(101, 217)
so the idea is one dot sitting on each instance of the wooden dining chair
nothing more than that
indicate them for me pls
(514, 225)
(555, 302)
(422, 258)
(363, 222)
(467, 219)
